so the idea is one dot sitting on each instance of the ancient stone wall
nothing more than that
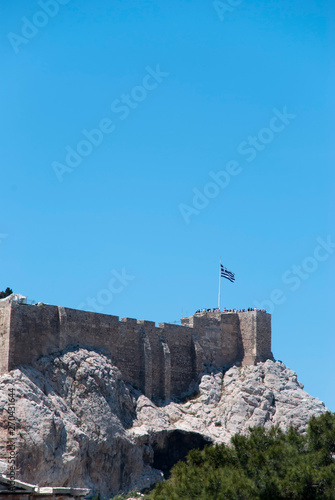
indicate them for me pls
(247, 332)
(34, 332)
(263, 340)
(218, 334)
(4, 339)
(161, 361)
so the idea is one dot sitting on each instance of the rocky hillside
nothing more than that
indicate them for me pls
(79, 424)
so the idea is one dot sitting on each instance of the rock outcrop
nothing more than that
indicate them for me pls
(78, 424)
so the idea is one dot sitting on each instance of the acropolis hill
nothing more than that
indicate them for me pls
(161, 361)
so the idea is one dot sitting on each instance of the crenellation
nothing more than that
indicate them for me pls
(146, 324)
(133, 321)
(162, 361)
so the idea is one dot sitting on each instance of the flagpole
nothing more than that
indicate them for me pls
(219, 298)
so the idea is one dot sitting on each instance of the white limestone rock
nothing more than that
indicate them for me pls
(73, 412)
(80, 425)
(267, 394)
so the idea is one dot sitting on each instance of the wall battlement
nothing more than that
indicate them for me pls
(162, 360)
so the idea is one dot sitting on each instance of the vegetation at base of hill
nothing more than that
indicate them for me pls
(5, 294)
(131, 494)
(266, 465)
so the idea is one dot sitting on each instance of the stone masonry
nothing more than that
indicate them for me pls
(162, 361)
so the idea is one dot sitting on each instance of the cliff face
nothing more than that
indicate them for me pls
(79, 424)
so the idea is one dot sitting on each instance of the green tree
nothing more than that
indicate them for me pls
(266, 465)
(7, 292)
(321, 438)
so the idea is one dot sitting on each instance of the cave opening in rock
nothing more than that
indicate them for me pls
(172, 446)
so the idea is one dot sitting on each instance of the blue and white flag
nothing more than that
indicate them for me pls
(227, 274)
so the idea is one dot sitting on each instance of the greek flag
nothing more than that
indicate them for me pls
(227, 274)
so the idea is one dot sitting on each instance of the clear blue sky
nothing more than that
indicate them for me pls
(181, 89)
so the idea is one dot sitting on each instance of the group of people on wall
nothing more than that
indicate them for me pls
(216, 309)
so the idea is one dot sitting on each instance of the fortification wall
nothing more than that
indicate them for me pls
(218, 334)
(255, 331)
(179, 343)
(263, 341)
(34, 332)
(4, 339)
(247, 332)
(160, 361)
(156, 360)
